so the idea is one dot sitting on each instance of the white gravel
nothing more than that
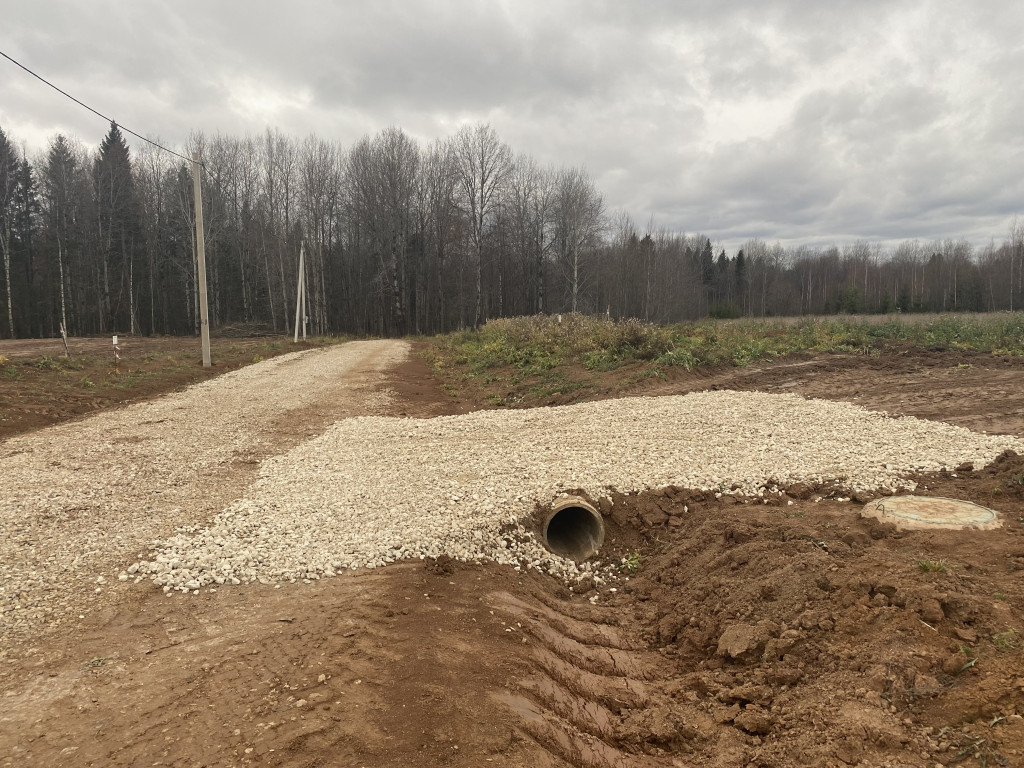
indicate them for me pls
(375, 490)
(81, 500)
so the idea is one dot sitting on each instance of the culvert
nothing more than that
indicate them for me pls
(573, 529)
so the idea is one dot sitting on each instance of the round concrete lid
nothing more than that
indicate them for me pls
(931, 512)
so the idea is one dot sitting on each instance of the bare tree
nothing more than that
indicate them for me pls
(319, 192)
(484, 163)
(8, 208)
(382, 179)
(438, 214)
(529, 202)
(578, 212)
(279, 158)
(1016, 248)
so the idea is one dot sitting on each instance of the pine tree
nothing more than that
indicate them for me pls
(26, 228)
(118, 230)
(741, 277)
(60, 184)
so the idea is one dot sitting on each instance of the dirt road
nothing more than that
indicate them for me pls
(785, 633)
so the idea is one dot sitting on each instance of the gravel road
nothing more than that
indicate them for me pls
(371, 491)
(79, 501)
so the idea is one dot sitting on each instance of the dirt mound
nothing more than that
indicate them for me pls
(794, 632)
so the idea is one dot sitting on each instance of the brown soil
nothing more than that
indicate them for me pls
(979, 391)
(778, 634)
(40, 386)
(976, 390)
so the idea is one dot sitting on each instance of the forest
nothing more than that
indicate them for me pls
(402, 239)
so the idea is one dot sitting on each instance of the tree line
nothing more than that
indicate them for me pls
(401, 238)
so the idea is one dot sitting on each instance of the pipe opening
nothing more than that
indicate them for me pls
(574, 529)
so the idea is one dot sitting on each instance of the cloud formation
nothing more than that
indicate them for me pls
(782, 119)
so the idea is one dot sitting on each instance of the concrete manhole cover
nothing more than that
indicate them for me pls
(931, 512)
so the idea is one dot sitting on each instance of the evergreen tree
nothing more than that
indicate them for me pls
(741, 277)
(117, 218)
(61, 183)
(707, 263)
(30, 275)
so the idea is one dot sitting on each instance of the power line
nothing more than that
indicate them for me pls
(98, 114)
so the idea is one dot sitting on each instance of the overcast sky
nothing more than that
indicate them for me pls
(801, 121)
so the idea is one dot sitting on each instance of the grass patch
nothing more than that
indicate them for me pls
(58, 364)
(1006, 641)
(932, 566)
(7, 369)
(529, 351)
(631, 562)
(129, 379)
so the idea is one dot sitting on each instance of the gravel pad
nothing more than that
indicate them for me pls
(375, 490)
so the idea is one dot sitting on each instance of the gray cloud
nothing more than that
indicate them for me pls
(796, 120)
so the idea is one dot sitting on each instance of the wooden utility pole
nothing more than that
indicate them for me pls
(300, 299)
(204, 316)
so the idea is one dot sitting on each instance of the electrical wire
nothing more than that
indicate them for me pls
(98, 114)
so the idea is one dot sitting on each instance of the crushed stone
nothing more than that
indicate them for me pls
(375, 490)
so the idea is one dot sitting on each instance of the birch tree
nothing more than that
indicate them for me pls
(8, 213)
(578, 223)
(529, 202)
(483, 163)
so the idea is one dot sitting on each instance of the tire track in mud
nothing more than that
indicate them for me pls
(586, 671)
(392, 667)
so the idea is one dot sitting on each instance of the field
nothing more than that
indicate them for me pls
(774, 627)
(553, 360)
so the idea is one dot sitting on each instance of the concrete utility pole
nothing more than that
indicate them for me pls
(300, 299)
(204, 315)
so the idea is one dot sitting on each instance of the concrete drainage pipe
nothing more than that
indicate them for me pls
(573, 529)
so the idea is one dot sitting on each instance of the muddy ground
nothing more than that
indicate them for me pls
(779, 634)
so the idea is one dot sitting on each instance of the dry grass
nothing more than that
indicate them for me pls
(536, 357)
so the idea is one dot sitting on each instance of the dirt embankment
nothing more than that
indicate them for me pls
(766, 635)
